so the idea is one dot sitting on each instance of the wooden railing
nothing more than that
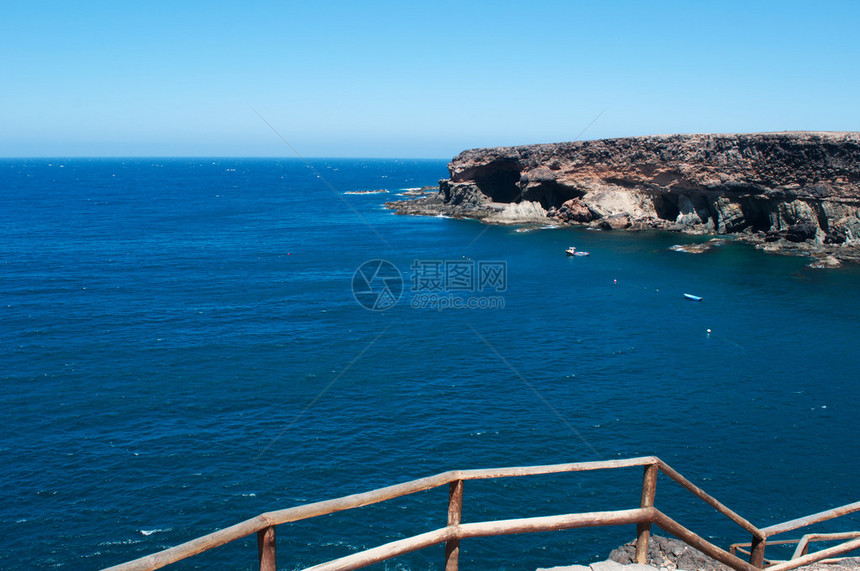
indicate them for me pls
(455, 531)
(802, 545)
(801, 556)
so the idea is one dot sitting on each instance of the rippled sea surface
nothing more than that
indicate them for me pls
(181, 349)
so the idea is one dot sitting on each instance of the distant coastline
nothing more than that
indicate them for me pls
(792, 192)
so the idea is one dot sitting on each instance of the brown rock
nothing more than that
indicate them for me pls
(803, 187)
(575, 211)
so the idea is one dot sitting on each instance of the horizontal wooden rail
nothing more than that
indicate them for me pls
(398, 490)
(803, 542)
(644, 516)
(253, 525)
(360, 500)
(387, 551)
(840, 549)
(195, 546)
(554, 523)
(772, 530)
(484, 474)
(484, 529)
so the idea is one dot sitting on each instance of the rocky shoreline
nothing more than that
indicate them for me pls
(667, 554)
(793, 192)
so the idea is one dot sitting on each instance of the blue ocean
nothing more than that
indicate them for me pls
(187, 343)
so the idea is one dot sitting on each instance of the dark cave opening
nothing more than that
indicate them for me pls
(500, 182)
(551, 194)
(757, 214)
(666, 206)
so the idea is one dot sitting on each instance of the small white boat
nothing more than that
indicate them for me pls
(693, 297)
(571, 251)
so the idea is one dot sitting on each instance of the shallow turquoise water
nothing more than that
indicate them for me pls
(182, 350)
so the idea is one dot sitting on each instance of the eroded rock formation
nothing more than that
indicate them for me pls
(793, 191)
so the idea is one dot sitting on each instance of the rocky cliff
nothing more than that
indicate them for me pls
(793, 191)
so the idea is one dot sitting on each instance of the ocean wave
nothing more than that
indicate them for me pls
(149, 532)
(119, 542)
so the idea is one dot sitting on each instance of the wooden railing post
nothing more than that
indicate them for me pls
(643, 530)
(266, 549)
(455, 513)
(757, 551)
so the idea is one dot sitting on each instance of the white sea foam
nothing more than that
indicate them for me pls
(149, 532)
(119, 542)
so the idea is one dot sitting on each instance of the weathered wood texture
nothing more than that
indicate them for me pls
(706, 547)
(803, 542)
(482, 529)
(643, 529)
(195, 546)
(840, 549)
(554, 522)
(360, 500)
(455, 530)
(811, 519)
(555, 468)
(266, 549)
(757, 547)
(243, 529)
(455, 513)
(387, 551)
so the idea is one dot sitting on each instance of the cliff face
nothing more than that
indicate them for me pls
(795, 188)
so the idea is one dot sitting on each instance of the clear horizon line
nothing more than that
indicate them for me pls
(220, 157)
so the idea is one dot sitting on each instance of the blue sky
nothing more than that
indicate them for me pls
(399, 79)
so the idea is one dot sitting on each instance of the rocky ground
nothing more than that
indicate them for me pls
(669, 554)
(795, 193)
(666, 554)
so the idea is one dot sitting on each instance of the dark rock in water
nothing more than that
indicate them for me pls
(824, 262)
(797, 191)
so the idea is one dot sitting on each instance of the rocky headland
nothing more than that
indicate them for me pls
(795, 192)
